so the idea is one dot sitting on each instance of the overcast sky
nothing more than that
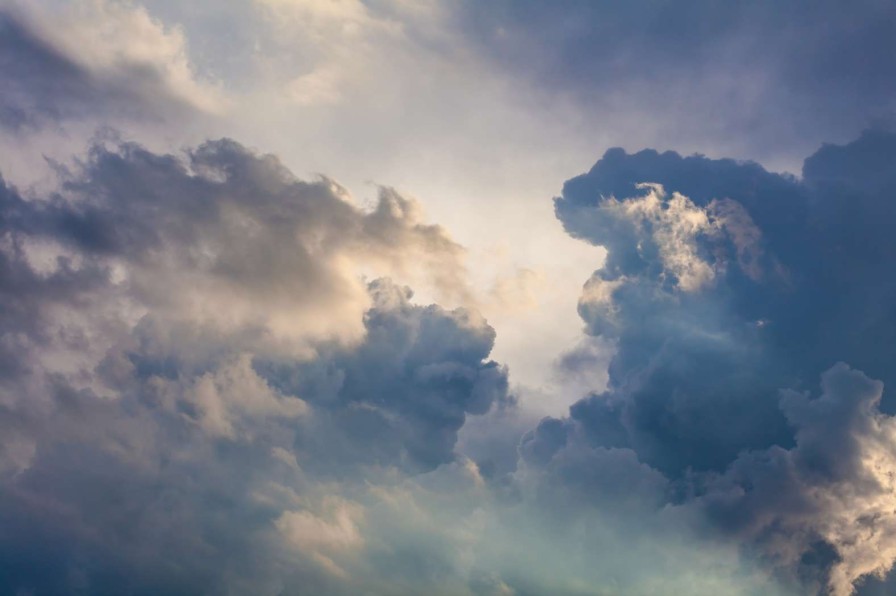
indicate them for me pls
(447, 297)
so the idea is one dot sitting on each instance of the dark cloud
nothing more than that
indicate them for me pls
(200, 392)
(403, 395)
(199, 380)
(182, 475)
(765, 79)
(824, 507)
(220, 234)
(773, 321)
(35, 77)
(724, 285)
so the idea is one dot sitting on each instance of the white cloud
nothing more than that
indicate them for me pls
(121, 47)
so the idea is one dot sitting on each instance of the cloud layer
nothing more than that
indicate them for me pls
(94, 60)
(197, 377)
(760, 80)
(215, 378)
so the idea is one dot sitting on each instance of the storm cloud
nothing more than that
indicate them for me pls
(190, 339)
(763, 80)
(218, 376)
(727, 291)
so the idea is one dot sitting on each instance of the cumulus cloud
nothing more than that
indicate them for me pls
(190, 339)
(158, 438)
(401, 397)
(695, 383)
(197, 377)
(213, 377)
(828, 501)
(228, 238)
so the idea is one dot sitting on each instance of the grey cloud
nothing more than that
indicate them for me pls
(45, 84)
(162, 487)
(542, 443)
(199, 392)
(196, 367)
(219, 234)
(826, 504)
(337, 457)
(768, 80)
(400, 397)
(725, 284)
(739, 337)
(24, 57)
(156, 447)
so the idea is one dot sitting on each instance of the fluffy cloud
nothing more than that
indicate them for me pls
(202, 390)
(197, 377)
(724, 285)
(194, 365)
(228, 238)
(401, 397)
(828, 502)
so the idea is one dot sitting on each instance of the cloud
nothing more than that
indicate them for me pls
(331, 51)
(198, 378)
(828, 501)
(769, 80)
(208, 381)
(231, 239)
(317, 536)
(724, 285)
(399, 398)
(158, 435)
(95, 59)
(197, 370)
(186, 470)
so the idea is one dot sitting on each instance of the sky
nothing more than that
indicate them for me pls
(387, 297)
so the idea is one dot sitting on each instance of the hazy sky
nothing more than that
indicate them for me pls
(447, 297)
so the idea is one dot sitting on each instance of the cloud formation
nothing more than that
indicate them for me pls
(94, 60)
(189, 340)
(196, 375)
(213, 377)
(725, 285)
(766, 80)
(824, 507)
